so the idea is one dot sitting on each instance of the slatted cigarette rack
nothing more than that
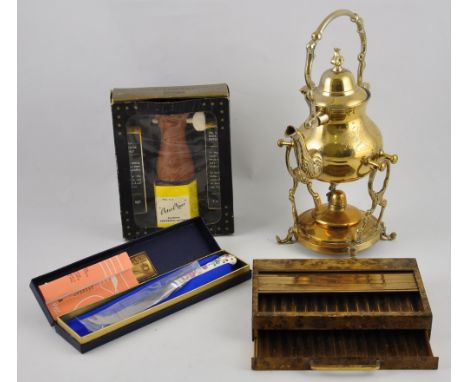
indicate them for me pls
(361, 314)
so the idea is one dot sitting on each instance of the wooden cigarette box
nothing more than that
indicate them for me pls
(361, 314)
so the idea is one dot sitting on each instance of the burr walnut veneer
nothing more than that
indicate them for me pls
(363, 314)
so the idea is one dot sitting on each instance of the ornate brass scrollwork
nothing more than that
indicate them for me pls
(308, 167)
(382, 163)
(312, 44)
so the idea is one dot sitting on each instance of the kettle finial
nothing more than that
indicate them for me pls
(337, 60)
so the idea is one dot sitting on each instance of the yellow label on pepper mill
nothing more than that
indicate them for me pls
(175, 203)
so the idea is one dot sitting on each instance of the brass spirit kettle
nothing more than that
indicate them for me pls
(337, 143)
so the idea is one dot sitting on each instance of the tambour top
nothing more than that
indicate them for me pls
(338, 87)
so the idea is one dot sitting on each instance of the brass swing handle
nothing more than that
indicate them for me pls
(371, 366)
(317, 36)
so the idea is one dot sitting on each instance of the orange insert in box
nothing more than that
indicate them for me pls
(89, 285)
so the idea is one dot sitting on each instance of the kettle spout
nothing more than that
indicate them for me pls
(290, 132)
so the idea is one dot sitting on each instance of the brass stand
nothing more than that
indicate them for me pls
(337, 227)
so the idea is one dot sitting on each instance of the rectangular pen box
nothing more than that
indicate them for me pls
(167, 251)
(361, 314)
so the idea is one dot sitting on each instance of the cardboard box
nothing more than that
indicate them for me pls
(173, 156)
(168, 250)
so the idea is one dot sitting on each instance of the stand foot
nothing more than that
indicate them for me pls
(289, 239)
(385, 236)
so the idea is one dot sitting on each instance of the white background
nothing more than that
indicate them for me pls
(72, 53)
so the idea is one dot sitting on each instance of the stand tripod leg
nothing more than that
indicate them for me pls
(315, 195)
(378, 199)
(291, 235)
(383, 228)
(384, 235)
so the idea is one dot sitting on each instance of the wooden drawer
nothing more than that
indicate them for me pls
(342, 350)
(367, 313)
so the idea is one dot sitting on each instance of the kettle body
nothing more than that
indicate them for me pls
(345, 142)
(347, 139)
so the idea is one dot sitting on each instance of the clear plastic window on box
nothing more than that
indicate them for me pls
(174, 168)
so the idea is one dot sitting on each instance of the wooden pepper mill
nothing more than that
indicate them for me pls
(174, 164)
(175, 187)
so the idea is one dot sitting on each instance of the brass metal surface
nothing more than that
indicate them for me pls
(335, 240)
(337, 143)
(345, 367)
(143, 268)
(337, 213)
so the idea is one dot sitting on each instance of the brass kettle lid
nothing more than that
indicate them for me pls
(338, 87)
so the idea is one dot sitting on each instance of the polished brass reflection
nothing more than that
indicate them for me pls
(337, 143)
